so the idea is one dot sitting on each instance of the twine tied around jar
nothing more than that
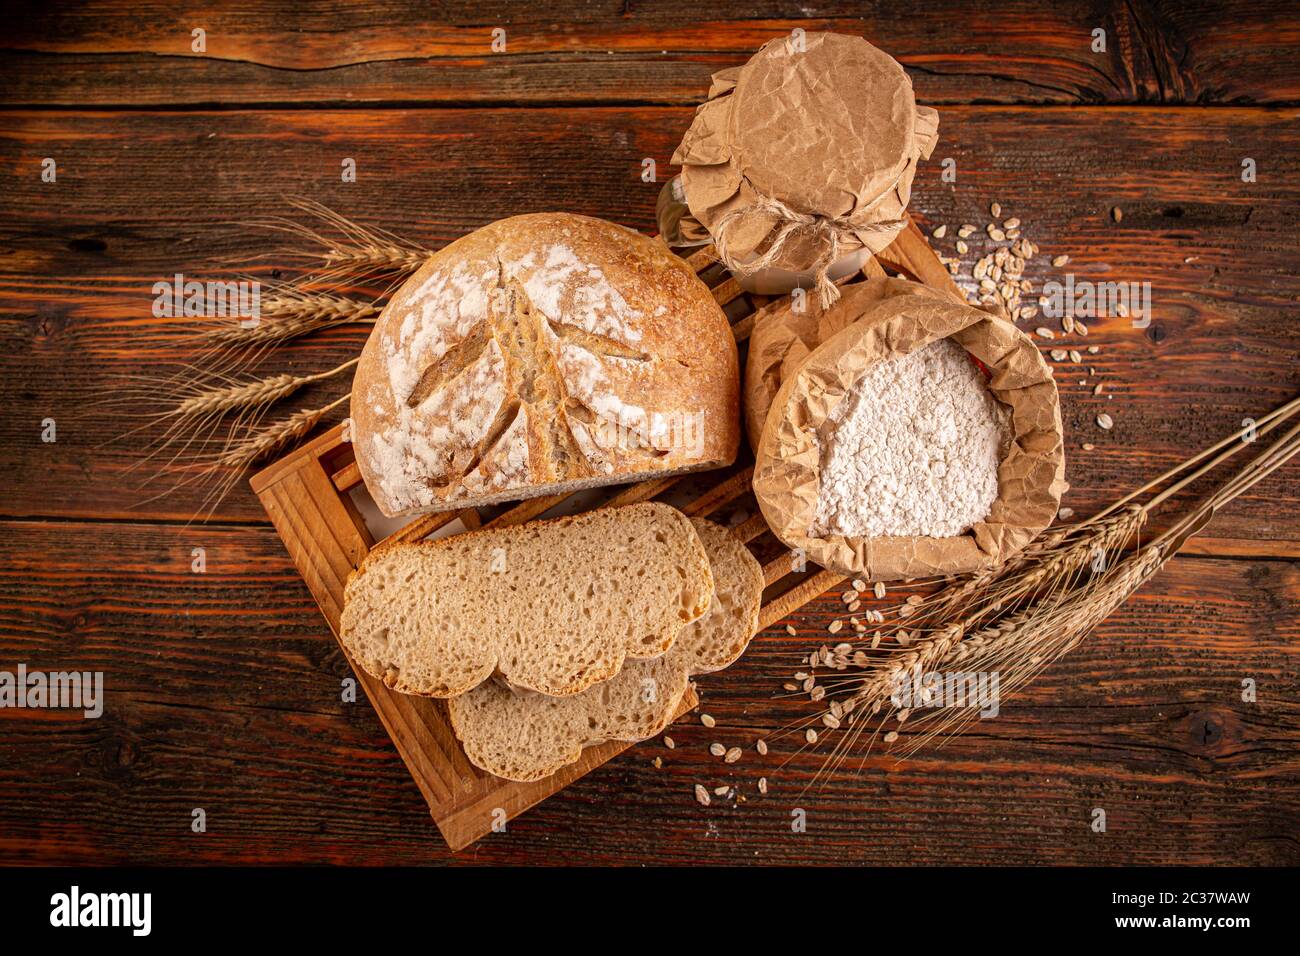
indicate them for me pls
(832, 230)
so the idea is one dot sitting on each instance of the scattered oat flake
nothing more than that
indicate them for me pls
(1011, 223)
(1058, 355)
(835, 626)
(1058, 261)
(1088, 446)
(940, 231)
(1117, 214)
(1104, 421)
(761, 747)
(810, 735)
(669, 743)
(1076, 357)
(659, 763)
(708, 721)
(879, 590)
(1094, 349)
(995, 210)
(1099, 388)
(891, 736)
(717, 749)
(762, 785)
(831, 721)
(789, 629)
(733, 755)
(701, 795)
(966, 231)
(1065, 513)
(721, 791)
(1044, 332)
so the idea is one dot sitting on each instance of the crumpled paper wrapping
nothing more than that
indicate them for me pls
(1031, 477)
(830, 133)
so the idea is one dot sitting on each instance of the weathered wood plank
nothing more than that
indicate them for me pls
(141, 196)
(398, 51)
(223, 692)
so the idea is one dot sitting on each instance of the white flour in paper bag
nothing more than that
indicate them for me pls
(913, 449)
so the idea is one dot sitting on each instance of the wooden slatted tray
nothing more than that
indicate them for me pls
(315, 498)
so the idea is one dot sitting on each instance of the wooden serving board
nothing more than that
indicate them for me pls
(309, 496)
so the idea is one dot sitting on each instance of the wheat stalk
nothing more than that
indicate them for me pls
(189, 429)
(1016, 622)
(290, 314)
(207, 395)
(273, 438)
(235, 454)
(358, 251)
(247, 397)
(1048, 563)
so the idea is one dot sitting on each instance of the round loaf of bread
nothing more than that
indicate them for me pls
(542, 354)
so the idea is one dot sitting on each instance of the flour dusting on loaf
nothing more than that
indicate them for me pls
(542, 354)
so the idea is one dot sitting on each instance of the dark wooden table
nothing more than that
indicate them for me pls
(223, 689)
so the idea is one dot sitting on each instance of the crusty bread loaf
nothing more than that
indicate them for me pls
(542, 354)
(530, 736)
(551, 606)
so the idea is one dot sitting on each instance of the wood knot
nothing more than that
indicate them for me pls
(1212, 732)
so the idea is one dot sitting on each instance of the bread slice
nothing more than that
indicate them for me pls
(529, 736)
(552, 606)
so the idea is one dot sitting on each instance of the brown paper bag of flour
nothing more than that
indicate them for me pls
(1030, 476)
(784, 336)
(800, 158)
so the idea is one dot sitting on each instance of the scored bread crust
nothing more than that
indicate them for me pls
(551, 606)
(528, 736)
(542, 354)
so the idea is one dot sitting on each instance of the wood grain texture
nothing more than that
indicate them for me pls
(224, 688)
(406, 52)
(78, 260)
(223, 692)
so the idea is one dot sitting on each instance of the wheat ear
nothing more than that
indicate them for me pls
(290, 314)
(357, 251)
(1055, 605)
(267, 441)
(248, 395)
(192, 423)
